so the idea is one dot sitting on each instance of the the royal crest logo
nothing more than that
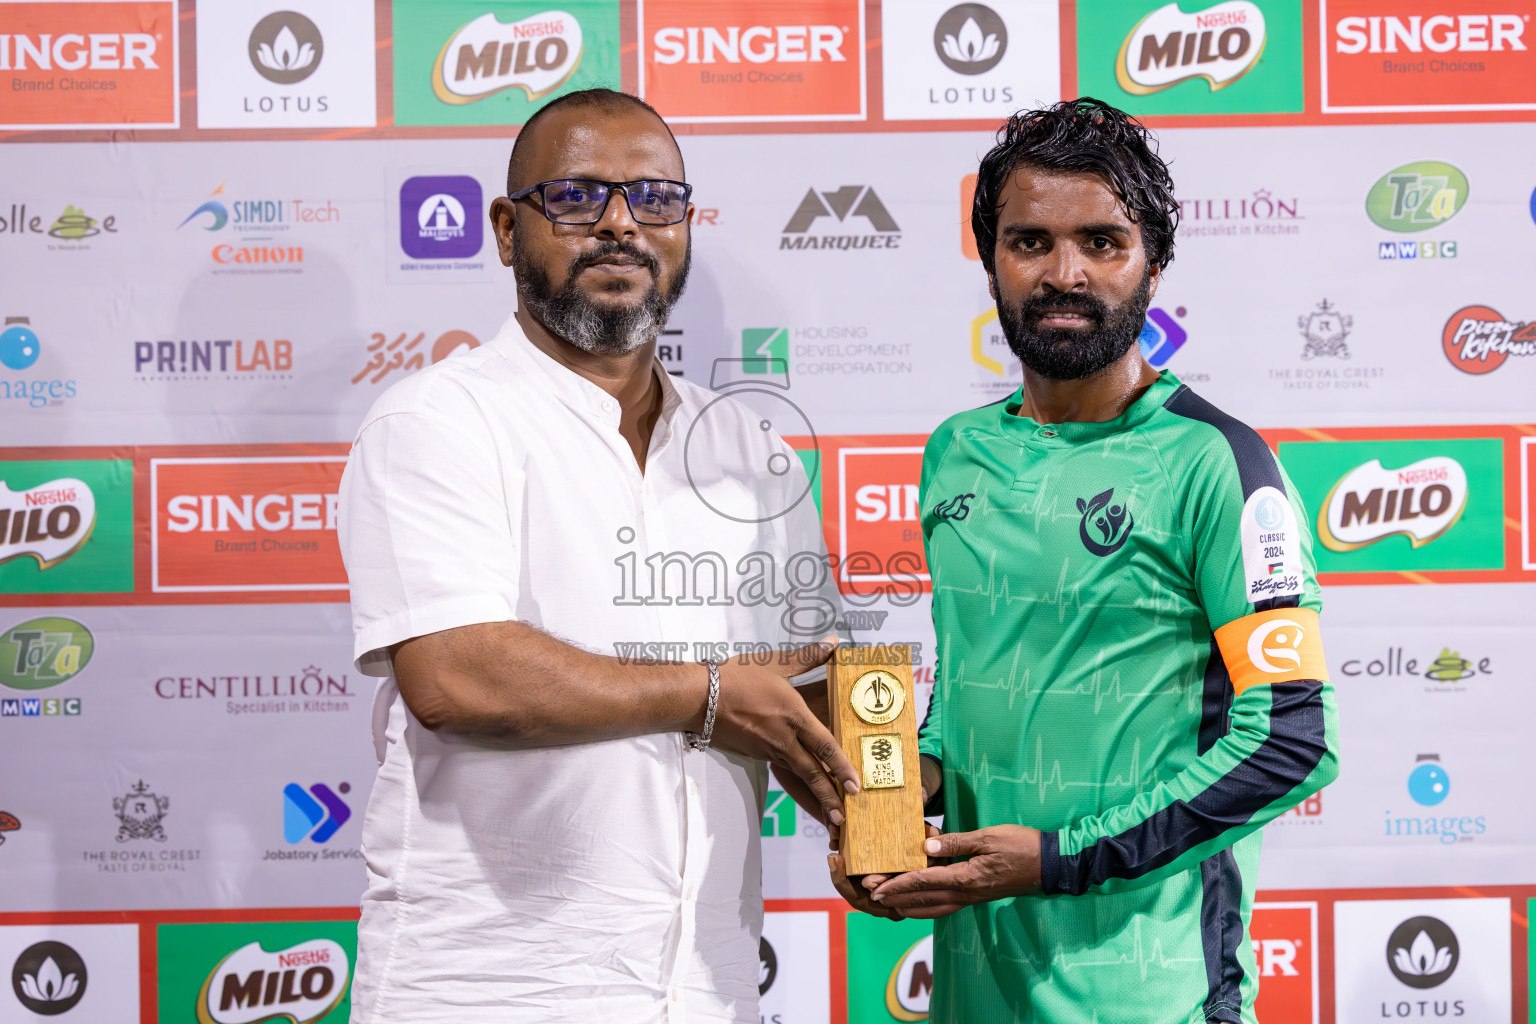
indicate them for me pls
(1325, 329)
(1105, 526)
(955, 508)
(1477, 339)
(49, 522)
(1420, 501)
(537, 55)
(297, 985)
(1219, 44)
(139, 813)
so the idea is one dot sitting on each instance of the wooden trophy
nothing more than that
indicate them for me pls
(874, 718)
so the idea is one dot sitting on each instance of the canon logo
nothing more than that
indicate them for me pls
(759, 44)
(219, 513)
(1440, 33)
(71, 51)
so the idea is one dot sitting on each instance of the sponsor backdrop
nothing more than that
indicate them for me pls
(228, 227)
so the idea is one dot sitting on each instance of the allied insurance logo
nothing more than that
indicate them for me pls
(1478, 339)
(102, 64)
(739, 60)
(1386, 56)
(1219, 44)
(245, 524)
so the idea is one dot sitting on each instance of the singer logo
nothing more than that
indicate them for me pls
(734, 60)
(1420, 501)
(880, 522)
(249, 524)
(1219, 44)
(536, 55)
(1284, 937)
(48, 522)
(300, 984)
(89, 65)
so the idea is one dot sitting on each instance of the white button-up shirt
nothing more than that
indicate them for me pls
(615, 881)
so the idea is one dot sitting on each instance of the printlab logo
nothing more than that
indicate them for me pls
(767, 966)
(49, 978)
(316, 817)
(405, 352)
(858, 201)
(1420, 501)
(1111, 523)
(8, 823)
(970, 39)
(45, 652)
(537, 55)
(1325, 329)
(286, 47)
(1423, 952)
(139, 814)
(1220, 44)
(1162, 335)
(1428, 784)
(440, 216)
(1477, 339)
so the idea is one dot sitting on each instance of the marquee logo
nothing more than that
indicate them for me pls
(49, 522)
(537, 55)
(1420, 501)
(300, 984)
(880, 229)
(1219, 44)
(1477, 339)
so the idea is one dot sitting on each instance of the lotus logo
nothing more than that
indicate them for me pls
(300, 984)
(970, 39)
(1423, 952)
(767, 966)
(49, 522)
(1285, 655)
(285, 47)
(49, 978)
(1417, 197)
(1219, 44)
(1420, 501)
(537, 55)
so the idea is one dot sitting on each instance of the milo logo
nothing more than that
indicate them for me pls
(1420, 501)
(911, 982)
(297, 985)
(537, 54)
(1219, 44)
(1417, 197)
(48, 522)
(45, 652)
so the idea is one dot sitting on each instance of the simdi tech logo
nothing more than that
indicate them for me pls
(66, 526)
(497, 61)
(1381, 56)
(738, 60)
(1239, 56)
(249, 973)
(100, 64)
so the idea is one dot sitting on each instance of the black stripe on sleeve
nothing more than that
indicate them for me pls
(1215, 700)
(1296, 744)
(1221, 930)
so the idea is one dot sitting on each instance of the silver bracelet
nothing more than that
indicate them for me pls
(700, 740)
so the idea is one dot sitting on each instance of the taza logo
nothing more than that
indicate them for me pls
(1112, 524)
(1219, 44)
(970, 39)
(49, 522)
(139, 813)
(1477, 339)
(286, 47)
(1417, 197)
(49, 978)
(1325, 329)
(1420, 501)
(300, 984)
(45, 652)
(536, 55)
(1423, 952)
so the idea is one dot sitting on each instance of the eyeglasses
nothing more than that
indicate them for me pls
(583, 201)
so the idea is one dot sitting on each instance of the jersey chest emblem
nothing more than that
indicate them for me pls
(956, 508)
(1106, 525)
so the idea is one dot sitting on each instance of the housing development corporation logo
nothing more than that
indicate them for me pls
(315, 814)
(1420, 501)
(49, 978)
(1477, 339)
(300, 984)
(1219, 44)
(537, 54)
(856, 208)
(286, 47)
(1423, 952)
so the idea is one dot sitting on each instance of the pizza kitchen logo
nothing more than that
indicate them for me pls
(1420, 501)
(537, 55)
(1220, 44)
(48, 522)
(300, 984)
(1477, 339)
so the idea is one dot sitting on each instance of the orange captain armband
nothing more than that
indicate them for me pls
(1278, 646)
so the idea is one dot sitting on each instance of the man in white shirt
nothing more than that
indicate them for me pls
(545, 842)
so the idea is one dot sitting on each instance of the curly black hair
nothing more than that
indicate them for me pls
(1081, 136)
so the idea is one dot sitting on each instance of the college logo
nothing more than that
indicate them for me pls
(405, 353)
(49, 978)
(45, 652)
(1219, 44)
(880, 230)
(104, 64)
(245, 524)
(1379, 57)
(1111, 523)
(286, 47)
(49, 522)
(1162, 335)
(537, 55)
(734, 60)
(440, 217)
(910, 984)
(1325, 329)
(73, 225)
(970, 39)
(316, 817)
(1420, 501)
(1417, 197)
(139, 813)
(1477, 339)
(1448, 667)
(300, 984)
(1423, 952)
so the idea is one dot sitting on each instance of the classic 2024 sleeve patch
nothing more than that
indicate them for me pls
(1278, 646)
(1271, 546)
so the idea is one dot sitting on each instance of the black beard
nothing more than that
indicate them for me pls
(569, 314)
(1068, 354)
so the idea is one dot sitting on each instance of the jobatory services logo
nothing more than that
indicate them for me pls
(822, 217)
(410, 353)
(1234, 57)
(735, 60)
(1162, 334)
(42, 653)
(484, 62)
(100, 64)
(949, 61)
(49, 978)
(316, 813)
(245, 973)
(441, 221)
(1477, 339)
(1383, 56)
(245, 524)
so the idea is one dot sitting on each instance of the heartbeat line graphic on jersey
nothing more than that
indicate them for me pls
(1139, 956)
(1101, 685)
(1042, 779)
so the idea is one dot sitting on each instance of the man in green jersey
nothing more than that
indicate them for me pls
(1131, 681)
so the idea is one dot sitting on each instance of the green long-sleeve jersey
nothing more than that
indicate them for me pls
(1129, 661)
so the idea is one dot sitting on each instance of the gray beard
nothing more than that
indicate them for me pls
(599, 329)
